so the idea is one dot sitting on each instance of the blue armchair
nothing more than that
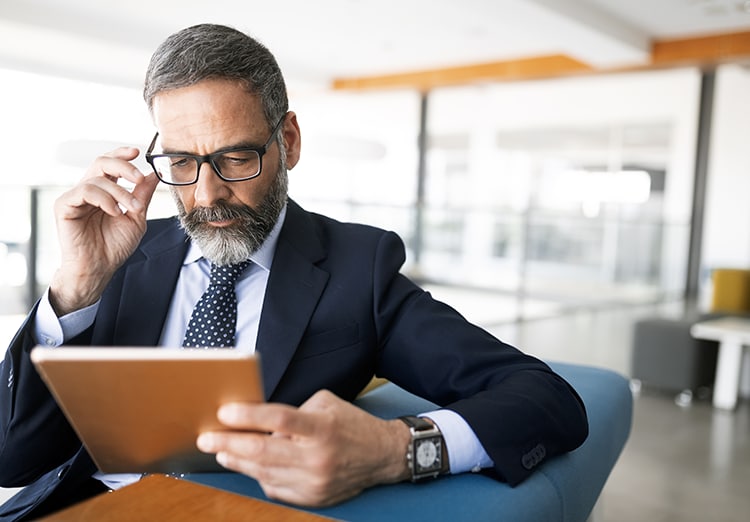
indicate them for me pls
(564, 489)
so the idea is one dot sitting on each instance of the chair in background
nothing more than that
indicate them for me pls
(666, 357)
(731, 291)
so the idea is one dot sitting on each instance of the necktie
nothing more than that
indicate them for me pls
(214, 318)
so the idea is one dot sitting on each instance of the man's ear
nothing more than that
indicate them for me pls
(292, 139)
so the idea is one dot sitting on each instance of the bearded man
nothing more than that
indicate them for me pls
(324, 302)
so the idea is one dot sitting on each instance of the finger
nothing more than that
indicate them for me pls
(248, 452)
(322, 400)
(266, 417)
(276, 482)
(100, 193)
(249, 444)
(274, 417)
(293, 484)
(115, 165)
(271, 477)
(276, 471)
(126, 153)
(144, 191)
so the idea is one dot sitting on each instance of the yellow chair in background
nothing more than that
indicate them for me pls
(731, 291)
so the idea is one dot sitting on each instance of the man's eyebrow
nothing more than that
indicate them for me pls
(240, 145)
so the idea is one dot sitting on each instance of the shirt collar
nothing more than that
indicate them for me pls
(263, 257)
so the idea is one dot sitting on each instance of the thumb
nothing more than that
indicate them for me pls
(144, 190)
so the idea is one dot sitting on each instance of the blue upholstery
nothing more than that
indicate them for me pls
(563, 489)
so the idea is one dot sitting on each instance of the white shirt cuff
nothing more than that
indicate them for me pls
(465, 452)
(49, 330)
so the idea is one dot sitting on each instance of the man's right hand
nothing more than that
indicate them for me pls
(95, 235)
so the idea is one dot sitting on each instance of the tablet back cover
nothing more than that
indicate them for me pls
(140, 410)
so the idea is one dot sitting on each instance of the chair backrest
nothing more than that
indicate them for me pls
(731, 290)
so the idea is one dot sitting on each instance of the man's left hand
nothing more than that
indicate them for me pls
(319, 454)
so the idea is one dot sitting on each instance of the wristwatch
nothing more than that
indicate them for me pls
(425, 451)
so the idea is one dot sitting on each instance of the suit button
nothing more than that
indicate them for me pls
(63, 471)
(527, 461)
(534, 457)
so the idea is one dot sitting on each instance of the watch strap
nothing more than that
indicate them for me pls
(418, 423)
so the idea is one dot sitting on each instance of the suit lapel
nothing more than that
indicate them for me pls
(294, 288)
(148, 287)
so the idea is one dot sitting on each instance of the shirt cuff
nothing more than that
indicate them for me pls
(50, 330)
(465, 452)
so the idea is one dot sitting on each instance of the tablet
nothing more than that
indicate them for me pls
(140, 410)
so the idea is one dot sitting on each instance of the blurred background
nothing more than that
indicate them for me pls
(559, 166)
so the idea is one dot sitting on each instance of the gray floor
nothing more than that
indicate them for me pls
(680, 464)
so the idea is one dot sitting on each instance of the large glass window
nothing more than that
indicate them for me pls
(359, 157)
(573, 190)
(14, 240)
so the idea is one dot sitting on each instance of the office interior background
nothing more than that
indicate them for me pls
(547, 163)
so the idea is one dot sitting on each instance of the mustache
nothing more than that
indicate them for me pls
(221, 211)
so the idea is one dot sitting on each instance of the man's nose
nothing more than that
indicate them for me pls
(210, 187)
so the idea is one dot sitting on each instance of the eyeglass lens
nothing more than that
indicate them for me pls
(180, 169)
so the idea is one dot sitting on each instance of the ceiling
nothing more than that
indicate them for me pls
(317, 41)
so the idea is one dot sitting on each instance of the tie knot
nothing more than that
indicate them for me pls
(226, 275)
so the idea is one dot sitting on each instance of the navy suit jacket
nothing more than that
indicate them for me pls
(336, 312)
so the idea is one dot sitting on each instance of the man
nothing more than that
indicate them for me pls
(322, 301)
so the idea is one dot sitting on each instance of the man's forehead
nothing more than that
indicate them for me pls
(212, 114)
(200, 100)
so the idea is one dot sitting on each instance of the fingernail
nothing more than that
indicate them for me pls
(205, 442)
(136, 204)
(227, 413)
(222, 458)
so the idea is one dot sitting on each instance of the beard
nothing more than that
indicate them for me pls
(237, 242)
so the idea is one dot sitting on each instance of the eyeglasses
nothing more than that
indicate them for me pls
(233, 164)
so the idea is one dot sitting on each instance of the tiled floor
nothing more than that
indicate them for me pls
(680, 464)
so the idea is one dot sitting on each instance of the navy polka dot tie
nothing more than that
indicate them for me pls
(214, 318)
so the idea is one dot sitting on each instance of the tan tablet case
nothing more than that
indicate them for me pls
(141, 409)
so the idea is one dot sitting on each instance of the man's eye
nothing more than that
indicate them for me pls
(236, 160)
(239, 157)
(179, 163)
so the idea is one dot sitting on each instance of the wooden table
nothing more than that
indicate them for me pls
(167, 499)
(733, 335)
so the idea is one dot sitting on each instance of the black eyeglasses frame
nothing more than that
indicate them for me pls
(210, 158)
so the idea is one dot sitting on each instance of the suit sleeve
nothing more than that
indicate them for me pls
(34, 435)
(522, 412)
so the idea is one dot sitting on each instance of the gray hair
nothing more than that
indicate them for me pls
(210, 51)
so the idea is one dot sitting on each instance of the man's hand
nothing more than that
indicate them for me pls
(99, 224)
(321, 453)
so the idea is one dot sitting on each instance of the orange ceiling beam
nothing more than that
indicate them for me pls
(703, 50)
(700, 51)
(521, 69)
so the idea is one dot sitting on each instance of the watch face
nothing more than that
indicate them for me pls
(427, 454)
